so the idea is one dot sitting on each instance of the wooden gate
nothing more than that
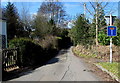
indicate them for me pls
(9, 59)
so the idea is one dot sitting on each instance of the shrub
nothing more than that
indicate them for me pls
(50, 45)
(105, 40)
(49, 42)
(29, 52)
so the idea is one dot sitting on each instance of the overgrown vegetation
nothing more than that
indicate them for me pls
(83, 52)
(29, 53)
(39, 39)
(105, 40)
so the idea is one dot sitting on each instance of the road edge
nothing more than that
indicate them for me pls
(102, 69)
(105, 70)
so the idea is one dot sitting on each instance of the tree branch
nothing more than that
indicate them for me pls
(93, 6)
(89, 11)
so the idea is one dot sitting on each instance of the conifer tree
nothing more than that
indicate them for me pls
(13, 22)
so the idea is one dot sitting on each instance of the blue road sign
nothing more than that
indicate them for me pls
(112, 31)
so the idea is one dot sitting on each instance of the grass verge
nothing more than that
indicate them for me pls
(111, 67)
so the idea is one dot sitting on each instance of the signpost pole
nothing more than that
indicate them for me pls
(110, 40)
(111, 49)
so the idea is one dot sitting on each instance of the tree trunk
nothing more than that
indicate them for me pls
(96, 24)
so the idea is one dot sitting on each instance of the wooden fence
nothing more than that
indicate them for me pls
(9, 59)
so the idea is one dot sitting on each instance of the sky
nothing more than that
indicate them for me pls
(72, 8)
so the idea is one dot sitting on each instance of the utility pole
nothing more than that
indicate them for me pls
(110, 40)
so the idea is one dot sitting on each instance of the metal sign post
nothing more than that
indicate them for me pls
(111, 49)
(111, 31)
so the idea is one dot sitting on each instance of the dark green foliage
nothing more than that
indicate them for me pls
(117, 38)
(65, 41)
(50, 37)
(14, 24)
(80, 33)
(33, 53)
(63, 32)
(11, 15)
(44, 27)
(53, 30)
(105, 40)
(41, 26)
(29, 52)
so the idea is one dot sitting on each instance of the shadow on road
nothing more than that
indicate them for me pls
(28, 70)
(52, 61)
(55, 59)
(64, 51)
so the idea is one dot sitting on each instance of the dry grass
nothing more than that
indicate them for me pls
(101, 52)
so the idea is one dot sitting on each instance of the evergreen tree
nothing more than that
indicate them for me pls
(80, 32)
(13, 21)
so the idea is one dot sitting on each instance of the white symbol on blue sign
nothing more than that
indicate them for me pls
(112, 31)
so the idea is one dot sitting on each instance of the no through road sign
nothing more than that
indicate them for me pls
(112, 31)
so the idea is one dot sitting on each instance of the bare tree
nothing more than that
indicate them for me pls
(97, 11)
(26, 18)
(53, 10)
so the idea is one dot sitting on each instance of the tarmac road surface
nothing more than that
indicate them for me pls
(64, 67)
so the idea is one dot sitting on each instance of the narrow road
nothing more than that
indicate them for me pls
(64, 67)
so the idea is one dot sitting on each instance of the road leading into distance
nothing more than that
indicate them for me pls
(64, 67)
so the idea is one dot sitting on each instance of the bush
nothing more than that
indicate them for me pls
(105, 40)
(29, 52)
(49, 42)
(37, 52)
